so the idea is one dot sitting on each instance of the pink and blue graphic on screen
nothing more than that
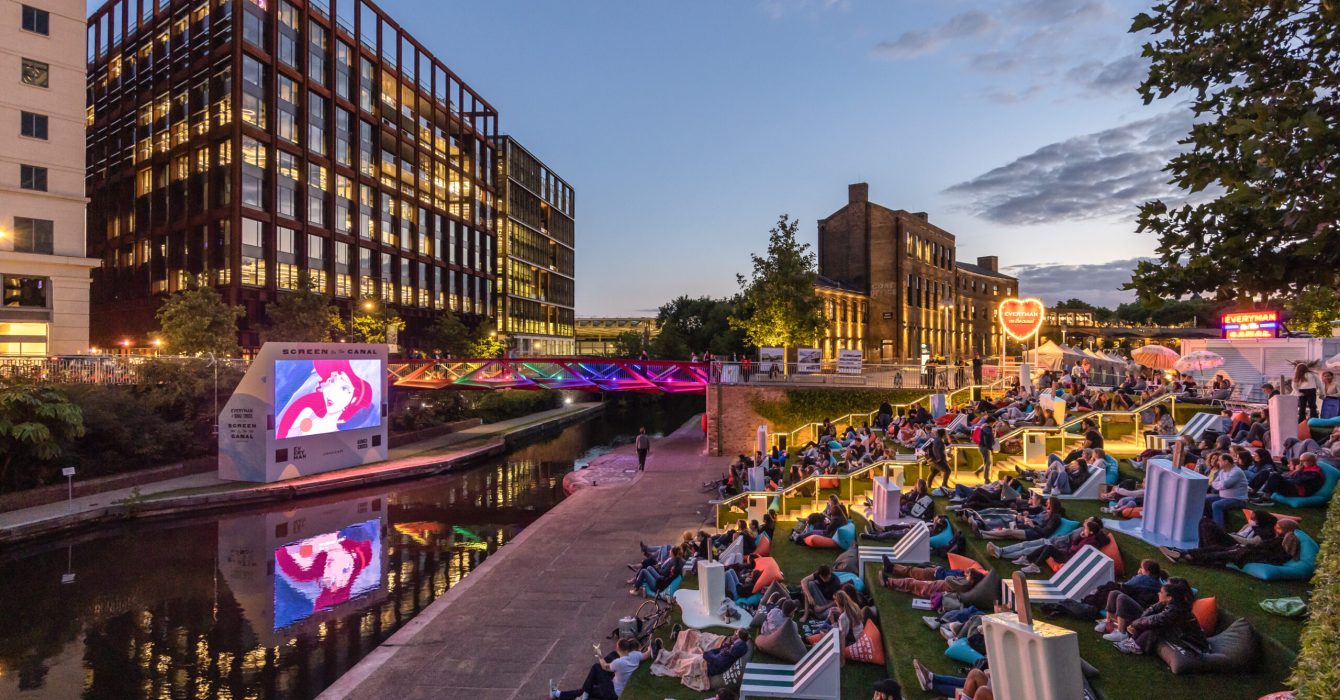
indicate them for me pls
(314, 397)
(321, 572)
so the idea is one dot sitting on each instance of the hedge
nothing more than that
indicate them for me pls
(813, 405)
(1316, 675)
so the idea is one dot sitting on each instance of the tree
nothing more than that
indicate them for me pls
(302, 316)
(1313, 310)
(670, 344)
(778, 304)
(1263, 85)
(485, 343)
(37, 423)
(371, 318)
(197, 321)
(630, 344)
(449, 336)
(703, 325)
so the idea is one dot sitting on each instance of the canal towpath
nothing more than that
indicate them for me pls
(197, 492)
(532, 610)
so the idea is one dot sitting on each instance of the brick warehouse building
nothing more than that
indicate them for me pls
(243, 141)
(894, 283)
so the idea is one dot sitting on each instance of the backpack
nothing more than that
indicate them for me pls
(923, 508)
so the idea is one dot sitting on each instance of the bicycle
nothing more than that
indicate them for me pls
(650, 616)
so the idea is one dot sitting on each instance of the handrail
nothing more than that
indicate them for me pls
(813, 478)
(1080, 418)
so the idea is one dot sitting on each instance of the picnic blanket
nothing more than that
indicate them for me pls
(685, 661)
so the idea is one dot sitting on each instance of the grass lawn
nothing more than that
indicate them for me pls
(1122, 676)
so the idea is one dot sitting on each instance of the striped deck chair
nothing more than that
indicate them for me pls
(912, 548)
(817, 676)
(1087, 570)
(1194, 428)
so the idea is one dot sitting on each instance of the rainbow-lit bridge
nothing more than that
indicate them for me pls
(533, 373)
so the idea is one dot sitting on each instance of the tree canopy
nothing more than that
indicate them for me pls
(197, 321)
(1313, 309)
(778, 306)
(302, 316)
(699, 325)
(370, 319)
(37, 423)
(1260, 163)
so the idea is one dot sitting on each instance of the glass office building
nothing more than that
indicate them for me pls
(242, 142)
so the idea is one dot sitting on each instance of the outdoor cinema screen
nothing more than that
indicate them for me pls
(314, 397)
(320, 572)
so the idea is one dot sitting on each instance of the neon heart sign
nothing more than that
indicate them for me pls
(1021, 318)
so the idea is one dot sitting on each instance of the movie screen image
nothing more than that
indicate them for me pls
(314, 397)
(321, 572)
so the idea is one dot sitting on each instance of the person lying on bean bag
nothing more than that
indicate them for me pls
(1276, 546)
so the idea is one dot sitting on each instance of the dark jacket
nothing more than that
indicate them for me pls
(1168, 622)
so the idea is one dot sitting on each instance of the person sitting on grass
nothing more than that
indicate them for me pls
(817, 590)
(658, 553)
(974, 686)
(657, 578)
(1127, 601)
(1061, 548)
(1169, 620)
(1031, 528)
(1218, 548)
(609, 674)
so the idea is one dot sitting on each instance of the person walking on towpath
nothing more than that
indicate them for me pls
(643, 445)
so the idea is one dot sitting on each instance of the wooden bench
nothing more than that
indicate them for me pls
(1086, 571)
(817, 676)
(912, 548)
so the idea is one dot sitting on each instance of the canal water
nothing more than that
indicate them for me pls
(275, 602)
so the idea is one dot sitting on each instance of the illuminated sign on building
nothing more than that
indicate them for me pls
(1021, 318)
(1250, 324)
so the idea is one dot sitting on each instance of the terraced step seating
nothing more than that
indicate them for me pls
(1087, 570)
(1087, 490)
(913, 548)
(1194, 428)
(817, 676)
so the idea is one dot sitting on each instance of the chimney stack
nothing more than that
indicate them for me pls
(858, 193)
(990, 262)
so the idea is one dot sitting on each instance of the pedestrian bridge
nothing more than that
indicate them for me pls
(533, 373)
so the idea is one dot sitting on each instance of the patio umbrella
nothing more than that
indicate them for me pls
(1154, 357)
(1199, 361)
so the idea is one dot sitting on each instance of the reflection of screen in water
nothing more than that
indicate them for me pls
(321, 572)
(314, 397)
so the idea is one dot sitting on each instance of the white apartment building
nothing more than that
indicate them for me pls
(44, 274)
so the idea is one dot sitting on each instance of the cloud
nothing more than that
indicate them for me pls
(1124, 73)
(1060, 11)
(917, 42)
(1009, 97)
(1098, 283)
(778, 9)
(1104, 174)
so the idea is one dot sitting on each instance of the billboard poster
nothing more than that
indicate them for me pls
(768, 357)
(808, 360)
(849, 362)
(314, 397)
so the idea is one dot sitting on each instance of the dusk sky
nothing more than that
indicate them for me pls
(687, 127)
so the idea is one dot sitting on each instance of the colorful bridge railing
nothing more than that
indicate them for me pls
(534, 373)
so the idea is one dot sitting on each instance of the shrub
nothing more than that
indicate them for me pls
(1316, 675)
(496, 406)
(813, 405)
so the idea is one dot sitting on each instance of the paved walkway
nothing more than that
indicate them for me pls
(204, 490)
(531, 612)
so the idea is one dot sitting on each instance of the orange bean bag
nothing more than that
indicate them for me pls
(763, 547)
(868, 648)
(961, 563)
(821, 542)
(768, 571)
(828, 482)
(1278, 516)
(1206, 611)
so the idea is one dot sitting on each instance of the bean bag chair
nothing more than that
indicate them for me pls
(1111, 471)
(669, 590)
(846, 535)
(961, 652)
(961, 563)
(849, 561)
(941, 540)
(821, 542)
(1278, 516)
(1232, 651)
(750, 601)
(1300, 569)
(983, 596)
(828, 482)
(731, 677)
(1066, 527)
(1206, 611)
(1320, 498)
(768, 571)
(834, 445)
(853, 579)
(763, 545)
(868, 648)
(784, 643)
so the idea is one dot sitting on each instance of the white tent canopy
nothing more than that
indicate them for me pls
(1048, 356)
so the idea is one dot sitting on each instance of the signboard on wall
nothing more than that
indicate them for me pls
(808, 360)
(849, 362)
(1237, 325)
(305, 408)
(767, 357)
(1021, 318)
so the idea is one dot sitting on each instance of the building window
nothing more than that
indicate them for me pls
(253, 29)
(344, 192)
(36, 73)
(316, 123)
(316, 53)
(287, 108)
(253, 253)
(253, 172)
(316, 262)
(33, 235)
(286, 267)
(344, 69)
(33, 125)
(36, 21)
(316, 194)
(253, 92)
(365, 85)
(27, 292)
(343, 134)
(288, 34)
(32, 177)
(286, 184)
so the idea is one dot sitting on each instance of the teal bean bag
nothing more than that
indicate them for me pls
(941, 540)
(845, 536)
(1113, 473)
(1300, 569)
(750, 601)
(669, 591)
(1320, 498)
(834, 445)
(853, 579)
(1066, 527)
(962, 653)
